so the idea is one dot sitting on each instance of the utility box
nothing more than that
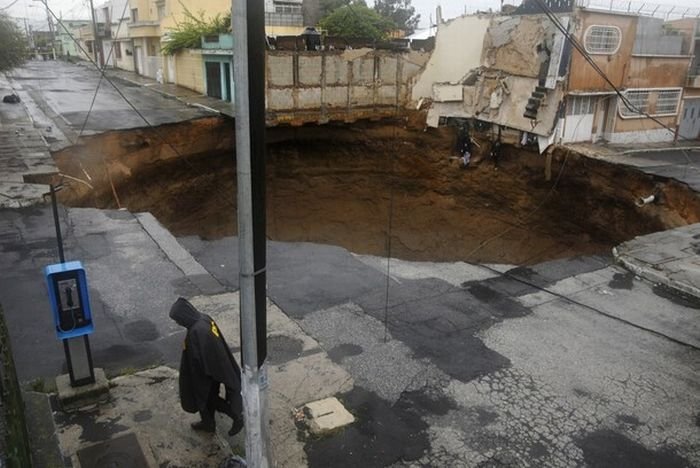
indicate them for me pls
(70, 302)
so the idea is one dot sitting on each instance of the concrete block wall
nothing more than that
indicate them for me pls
(339, 85)
(189, 70)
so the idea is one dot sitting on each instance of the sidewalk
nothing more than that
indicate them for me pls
(669, 258)
(136, 269)
(173, 91)
(25, 162)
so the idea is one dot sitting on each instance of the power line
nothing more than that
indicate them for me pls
(577, 45)
(8, 6)
(131, 105)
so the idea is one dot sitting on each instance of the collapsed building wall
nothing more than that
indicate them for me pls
(458, 49)
(311, 86)
(518, 83)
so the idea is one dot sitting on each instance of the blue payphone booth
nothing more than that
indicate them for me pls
(70, 304)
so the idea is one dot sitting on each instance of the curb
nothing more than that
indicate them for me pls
(642, 270)
(178, 255)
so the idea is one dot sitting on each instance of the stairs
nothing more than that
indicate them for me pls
(534, 102)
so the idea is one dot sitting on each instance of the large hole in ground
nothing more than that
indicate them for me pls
(335, 185)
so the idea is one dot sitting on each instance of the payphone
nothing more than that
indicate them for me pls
(72, 317)
(70, 303)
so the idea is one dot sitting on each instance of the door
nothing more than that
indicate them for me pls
(690, 119)
(171, 68)
(213, 70)
(138, 59)
(227, 80)
(578, 125)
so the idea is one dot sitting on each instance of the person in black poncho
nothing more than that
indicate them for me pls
(206, 363)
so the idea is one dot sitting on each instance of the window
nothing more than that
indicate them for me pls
(638, 101)
(212, 39)
(667, 102)
(134, 15)
(579, 105)
(117, 50)
(602, 39)
(288, 8)
(161, 10)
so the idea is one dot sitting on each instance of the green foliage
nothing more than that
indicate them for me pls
(329, 6)
(400, 12)
(188, 33)
(13, 51)
(357, 21)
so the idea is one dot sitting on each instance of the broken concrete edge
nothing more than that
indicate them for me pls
(326, 416)
(655, 150)
(74, 398)
(652, 275)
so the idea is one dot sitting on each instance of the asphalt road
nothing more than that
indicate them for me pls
(567, 363)
(60, 94)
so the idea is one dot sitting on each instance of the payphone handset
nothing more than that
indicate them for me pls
(68, 294)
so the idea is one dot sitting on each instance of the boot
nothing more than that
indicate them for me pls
(236, 427)
(203, 426)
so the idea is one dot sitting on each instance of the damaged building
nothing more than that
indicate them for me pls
(521, 75)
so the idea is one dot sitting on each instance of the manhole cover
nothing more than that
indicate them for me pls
(120, 452)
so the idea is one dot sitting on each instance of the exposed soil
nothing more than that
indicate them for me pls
(336, 185)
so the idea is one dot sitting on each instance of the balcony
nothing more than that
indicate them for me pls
(144, 29)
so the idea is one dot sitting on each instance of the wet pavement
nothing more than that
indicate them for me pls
(574, 362)
(25, 161)
(60, 94)
(568, 363)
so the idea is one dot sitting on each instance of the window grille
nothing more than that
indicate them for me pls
(602, 39)
(667, 102)
(638, 101)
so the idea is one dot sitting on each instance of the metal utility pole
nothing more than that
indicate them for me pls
(248, 25)
(51, 30)
(95, 42)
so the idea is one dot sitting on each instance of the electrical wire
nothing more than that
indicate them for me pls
(104, 76)
(10, 5)
(577, 45)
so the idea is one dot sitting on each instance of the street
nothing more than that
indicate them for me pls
(570, 362)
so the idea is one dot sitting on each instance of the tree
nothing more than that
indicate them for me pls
(357, 21)
(327, 7)
(188, 33)
(13, 51)
(400, 12)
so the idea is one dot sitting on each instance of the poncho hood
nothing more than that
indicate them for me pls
(184, 313)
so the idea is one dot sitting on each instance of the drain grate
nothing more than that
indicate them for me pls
(120, 452)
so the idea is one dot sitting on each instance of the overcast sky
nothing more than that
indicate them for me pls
(78, 9)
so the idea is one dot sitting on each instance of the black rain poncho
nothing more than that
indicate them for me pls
(206, 360)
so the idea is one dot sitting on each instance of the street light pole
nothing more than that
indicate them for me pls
(248, 26)
(95, 42)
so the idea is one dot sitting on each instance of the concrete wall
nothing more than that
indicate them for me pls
(338, 85)
(582, 76)
(511, 43)
(653, 39)
(189, 70)
(458, 49)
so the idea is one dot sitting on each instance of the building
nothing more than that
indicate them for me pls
(113, 31)
(689, 124)
(645, 58)
(68, 47)
(521, 74)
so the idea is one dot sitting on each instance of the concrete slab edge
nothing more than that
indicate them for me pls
(655, 150)
(642, 270)
(172, 248)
